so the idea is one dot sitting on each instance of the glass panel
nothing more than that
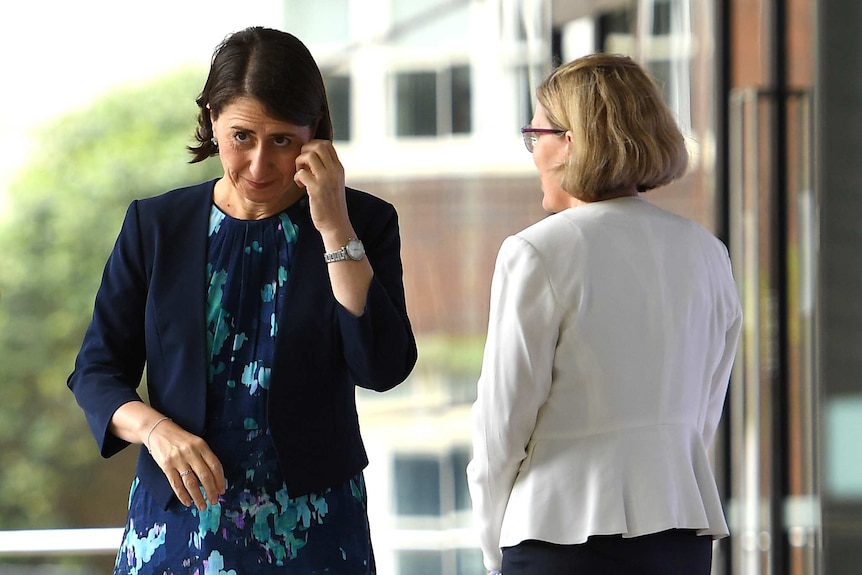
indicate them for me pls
(661, 35)
(612, 25)
(469, 562)
(766, 414)
(338, 93)
(461, 100)
(460, 458)
(801, 506)
(420, 562)
(417, 485)
(842, 454)
(754, 373)
(524, 95)
(416, 104)
(662, 15)
(662, 71)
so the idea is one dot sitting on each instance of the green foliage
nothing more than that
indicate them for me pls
(453, 355)
(64, 211)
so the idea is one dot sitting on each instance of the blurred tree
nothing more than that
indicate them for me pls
(64, 211)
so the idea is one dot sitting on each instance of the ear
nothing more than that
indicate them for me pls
(570, 141)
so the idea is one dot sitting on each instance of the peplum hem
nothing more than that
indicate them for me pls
(632, 482)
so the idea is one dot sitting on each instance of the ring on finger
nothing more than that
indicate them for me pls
(184, 473)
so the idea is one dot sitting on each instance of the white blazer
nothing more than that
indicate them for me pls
(613, 329)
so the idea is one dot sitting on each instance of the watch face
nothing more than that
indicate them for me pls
(355, 249)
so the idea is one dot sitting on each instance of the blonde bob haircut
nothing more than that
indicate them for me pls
(623, 135)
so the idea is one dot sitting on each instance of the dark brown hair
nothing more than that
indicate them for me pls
(271, 66)
(623, 134)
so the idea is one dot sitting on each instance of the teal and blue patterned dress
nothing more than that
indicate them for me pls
(257, 527)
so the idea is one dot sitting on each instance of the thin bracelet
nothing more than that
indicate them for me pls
(153, 428)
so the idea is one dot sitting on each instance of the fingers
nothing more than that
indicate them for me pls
(192, 489)
(320, 172)
(318, 168)
(192, 469)
(201, 482)
(188, 490)
(317, 155)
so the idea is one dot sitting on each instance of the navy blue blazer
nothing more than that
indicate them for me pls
(149, 311)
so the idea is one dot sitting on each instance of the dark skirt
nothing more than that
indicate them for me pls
(674, 552)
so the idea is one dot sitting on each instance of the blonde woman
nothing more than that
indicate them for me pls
(613, 328)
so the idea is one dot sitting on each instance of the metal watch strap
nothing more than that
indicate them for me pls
(338, 255)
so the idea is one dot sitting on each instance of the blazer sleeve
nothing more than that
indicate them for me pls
(110, 362)
(731, 312)
(514, 383)
(379, 345)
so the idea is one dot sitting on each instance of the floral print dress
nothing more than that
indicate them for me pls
(256, 527)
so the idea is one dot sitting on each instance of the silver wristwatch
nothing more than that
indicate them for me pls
(354, 250)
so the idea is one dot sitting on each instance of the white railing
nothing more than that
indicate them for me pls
(42, 542)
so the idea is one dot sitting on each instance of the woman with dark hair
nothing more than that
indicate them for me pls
(257, 302)
(613, 328)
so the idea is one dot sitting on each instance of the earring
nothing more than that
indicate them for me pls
(214, 141)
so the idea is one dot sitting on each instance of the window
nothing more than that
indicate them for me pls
(417, 485)
(434, 562)
(662, 71)
(431, 484)
(662, 18)
(460, 458)
(433, 103)
(612, 25)
(431, 498)
(338, 94)
(469, 562)
(459, 89)
(417, 562)
(416, 104)
(525, 96)
(662, 36)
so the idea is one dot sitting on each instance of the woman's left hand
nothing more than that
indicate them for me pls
(320, 172)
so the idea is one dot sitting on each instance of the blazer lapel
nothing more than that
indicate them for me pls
(181, 292)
